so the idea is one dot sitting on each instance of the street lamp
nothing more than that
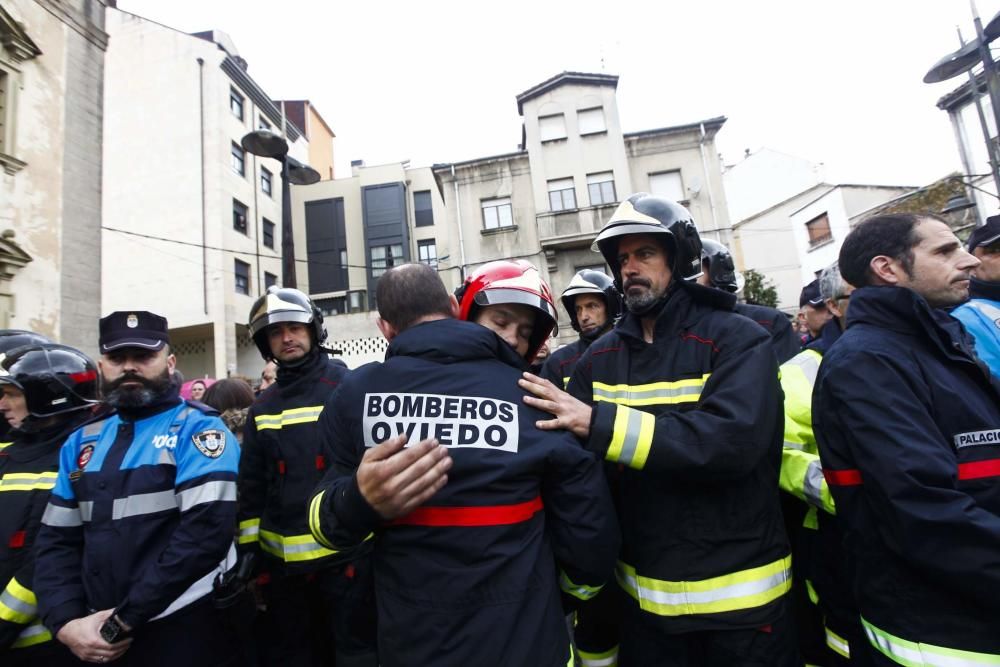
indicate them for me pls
(962, 61)
(265, 143)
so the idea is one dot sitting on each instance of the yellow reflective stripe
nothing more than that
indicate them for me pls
(565, 382)
(289, 417)
(293, 548)
(581, 591)
(811, 591)
(17, 603)
(731, 592)
(249, 531)
(5, 444)
(837, 644)
(918, 654)
(314, 520)
(657, 393)
(28, 481)
(631, 437)
(607, 658)
(36, 633)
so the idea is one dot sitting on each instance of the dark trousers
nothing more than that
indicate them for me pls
(644, 645)
(195, 636)
(319, 620)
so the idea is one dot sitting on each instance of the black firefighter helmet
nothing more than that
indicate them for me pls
(721, 269)
(643, 213)
(55, 379)
(589, 281)
(283, 304)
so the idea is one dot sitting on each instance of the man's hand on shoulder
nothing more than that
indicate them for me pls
(83, 637)
(570, 413)
(395, 479)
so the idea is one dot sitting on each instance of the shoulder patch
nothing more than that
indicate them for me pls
(211, 442)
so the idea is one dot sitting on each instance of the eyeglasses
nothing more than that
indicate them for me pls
(845, 297)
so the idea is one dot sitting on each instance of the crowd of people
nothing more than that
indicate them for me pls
(693, 481)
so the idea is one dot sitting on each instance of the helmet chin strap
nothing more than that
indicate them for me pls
(653, 309)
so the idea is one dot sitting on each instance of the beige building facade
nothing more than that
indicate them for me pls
(52, 65)
(544, 202)
(192, 221)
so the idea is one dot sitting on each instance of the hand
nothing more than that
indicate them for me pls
(570, 414)
(83, 637)
(396, 479)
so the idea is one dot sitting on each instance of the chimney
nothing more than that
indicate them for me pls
(356, 166)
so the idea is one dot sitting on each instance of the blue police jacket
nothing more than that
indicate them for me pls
(908, 425)
(981, 317)
(473, 576)
(142, 515)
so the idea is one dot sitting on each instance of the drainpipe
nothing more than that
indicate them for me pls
(461, 237)
(708, 185)
(201, 167)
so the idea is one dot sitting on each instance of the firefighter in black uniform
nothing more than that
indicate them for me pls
(683, 396)
(48, 391)
(718, 271)
(319, 606)
(9, 339)
(479, 525)
(593, 305)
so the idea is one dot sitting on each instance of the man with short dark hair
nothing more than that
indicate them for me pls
(908, 425)
(981, 313)
(140, 520)
(471, 522)
(812, 311)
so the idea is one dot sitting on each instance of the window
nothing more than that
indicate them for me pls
(551, 128)
(667, 184)
(265, 181)
(240, 212)
(239, 159)
(591, 121)
(268, 229)
(422, 213)
(236, 103)
(262, 124)
(270, 279)
(562, 196)
(242, 277)
(601, 188)
(385, 257)
(356, 301)
(819, 230)
(343, 259)
(427, 252)
(497, 213)
(333, 306)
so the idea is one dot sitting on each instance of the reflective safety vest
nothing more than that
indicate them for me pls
(282, 463)
(693, 422)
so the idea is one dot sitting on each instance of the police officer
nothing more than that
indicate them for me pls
(318, 600)
(982, 311)
(826, 613)
(471, 522)
(683, 396)
(718, 271)
(139, 522)
(907, 419)
(593, 305)
(48, 391)
(812, 311)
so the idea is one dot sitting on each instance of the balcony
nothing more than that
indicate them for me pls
(575, 228)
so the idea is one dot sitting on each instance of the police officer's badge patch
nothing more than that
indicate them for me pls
(84, 458)
(211, 443)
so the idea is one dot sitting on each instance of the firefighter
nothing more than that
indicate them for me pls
(319, 607)
(139, 522)
(907, 419)
(477, 518)
(683, 397)
(593, 305)
(718, 271)
(48, 391)
(10, 339)
(826, 613)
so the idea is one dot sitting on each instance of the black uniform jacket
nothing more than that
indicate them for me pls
(695, 422)
(471, 577)
(908, 425)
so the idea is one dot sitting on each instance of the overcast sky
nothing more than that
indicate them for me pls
(835, 82)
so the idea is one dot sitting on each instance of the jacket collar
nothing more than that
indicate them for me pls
(449, 341)
(982, 289)
(30, 446)
(683, 308)
(313, 362)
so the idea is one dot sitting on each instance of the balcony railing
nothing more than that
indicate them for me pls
(574, 228)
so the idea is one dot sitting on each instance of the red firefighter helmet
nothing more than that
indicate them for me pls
(510, 281)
